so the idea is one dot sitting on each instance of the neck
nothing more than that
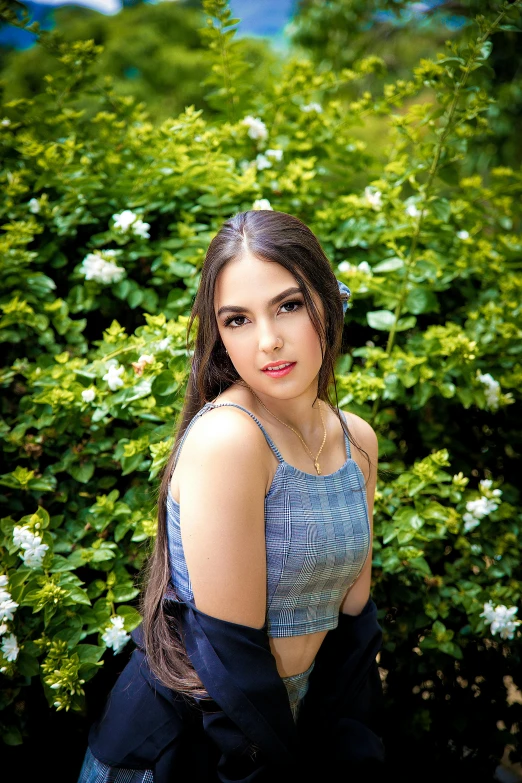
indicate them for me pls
(302, 412)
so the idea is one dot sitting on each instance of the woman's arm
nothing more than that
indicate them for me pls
(222, 483)
(222, 486)
(357, 595)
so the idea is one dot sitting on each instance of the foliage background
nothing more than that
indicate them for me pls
(406, 163)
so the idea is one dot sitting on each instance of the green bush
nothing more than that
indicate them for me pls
(106, 219)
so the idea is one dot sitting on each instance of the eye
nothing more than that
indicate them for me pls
(229, 321)
(295, 303)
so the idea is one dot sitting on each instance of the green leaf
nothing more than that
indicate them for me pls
(77, 596)
(89, 653)
(60, 563)
(421, 564)
(27, 665)
(82, 472)
(131, 616)
(408, 517)
(406, 323)
(441, 208)
(485, 49)
(12, 736)
(72, 633)
(164, 384)
(125, 592)
(450, 648)
(381, 319)
(421, 300)
(389, 265)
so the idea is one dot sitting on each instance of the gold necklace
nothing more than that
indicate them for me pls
(314, 459)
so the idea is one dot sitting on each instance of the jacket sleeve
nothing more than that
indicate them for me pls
(248, 717)
(341, 712)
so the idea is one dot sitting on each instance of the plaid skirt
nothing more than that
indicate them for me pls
(93, 771)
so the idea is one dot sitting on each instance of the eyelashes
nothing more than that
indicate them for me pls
(229, 321)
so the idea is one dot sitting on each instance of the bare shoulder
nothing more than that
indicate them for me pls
(366, 441)
(225, 440)
(362, 430)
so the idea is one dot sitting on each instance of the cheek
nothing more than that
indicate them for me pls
(309, 339)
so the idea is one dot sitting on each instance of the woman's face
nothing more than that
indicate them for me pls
(260, 324)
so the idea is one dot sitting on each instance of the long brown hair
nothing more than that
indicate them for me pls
(274, 237)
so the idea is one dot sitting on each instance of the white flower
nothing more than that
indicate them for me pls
(488, 613)
(485, 487)
(112, 376)
(3, 580)
(129, 219)
(463, 234)
(123, 220)
(5, 122)
(256, 127)
(312, 107)
(88, 395)
(476, 510)
(22, 536)
(34, 552)
(261, 203)
(481, 507)
(162, 345)
(492, 390)
(365, 267)
(3, 629)
(412, 211)
(34, 206)
(262, 163)
(10, 647)
(115, 635)
(7, 608)
(95, 267)
(501, 619)
(275, 154)
(141, 229)
(373, 197)
(470, 522)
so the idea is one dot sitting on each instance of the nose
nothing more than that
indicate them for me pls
(269, 340)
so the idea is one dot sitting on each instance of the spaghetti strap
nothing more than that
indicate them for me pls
(209, 406)
(346, 439)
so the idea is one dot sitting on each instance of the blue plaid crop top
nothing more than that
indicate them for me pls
(317, 541)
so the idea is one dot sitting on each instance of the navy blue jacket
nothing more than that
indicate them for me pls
(246, 731)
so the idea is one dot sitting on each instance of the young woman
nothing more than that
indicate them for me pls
(264, 539)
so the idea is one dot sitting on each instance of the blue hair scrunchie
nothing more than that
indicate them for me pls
(343, 289)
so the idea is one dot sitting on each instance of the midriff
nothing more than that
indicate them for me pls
(294, 654)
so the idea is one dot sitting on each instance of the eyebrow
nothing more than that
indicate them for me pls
(275, 300)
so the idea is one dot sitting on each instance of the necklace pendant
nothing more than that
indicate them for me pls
(318, 469)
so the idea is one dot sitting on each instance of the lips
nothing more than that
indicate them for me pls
(276, 365)
(278, 370)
